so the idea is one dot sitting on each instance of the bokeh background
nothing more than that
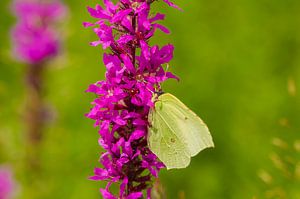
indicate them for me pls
(239, 64)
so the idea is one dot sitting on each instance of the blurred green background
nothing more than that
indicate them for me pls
(239, 64)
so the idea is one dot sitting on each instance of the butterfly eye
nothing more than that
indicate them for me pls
(173, 140)
(159, 93)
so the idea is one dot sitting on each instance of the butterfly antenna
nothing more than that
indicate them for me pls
(167, 68)
(150, 90)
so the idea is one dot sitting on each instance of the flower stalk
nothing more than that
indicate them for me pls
(135, 71)
(35, 113)
(35, 42)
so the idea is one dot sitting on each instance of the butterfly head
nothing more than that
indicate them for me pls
(156, 94)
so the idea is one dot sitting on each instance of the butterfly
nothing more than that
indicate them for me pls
(176, 133)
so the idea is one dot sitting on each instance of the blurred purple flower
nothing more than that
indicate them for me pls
(7, 185)
(34, 36)
(125, 97)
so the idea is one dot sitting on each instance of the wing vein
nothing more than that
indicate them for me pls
(169, 128)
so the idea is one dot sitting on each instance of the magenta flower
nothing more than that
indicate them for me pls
(135, 70)
(34, 36)
(6, 183)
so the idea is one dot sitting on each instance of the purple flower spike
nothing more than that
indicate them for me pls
(7, 186)
(34, 36)
(135, 71)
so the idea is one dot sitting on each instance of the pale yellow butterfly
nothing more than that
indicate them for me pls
(176, 133)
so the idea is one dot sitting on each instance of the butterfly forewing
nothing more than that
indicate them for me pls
(164, 143)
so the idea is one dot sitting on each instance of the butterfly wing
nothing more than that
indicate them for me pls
(165, 143)
(176, 133)
(187, 124)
